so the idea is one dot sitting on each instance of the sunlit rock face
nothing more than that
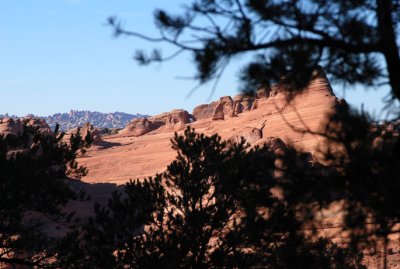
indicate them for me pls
(178, 116)
(271, 116)
(39, 124)
(16, 127)
(138, 127)
(173, 120)
(9, 126)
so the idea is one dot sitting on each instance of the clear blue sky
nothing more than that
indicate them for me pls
(57, 55)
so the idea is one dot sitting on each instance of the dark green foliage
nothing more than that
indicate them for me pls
(214, 207)
(363, 172)
(356, 41)
(33, 169)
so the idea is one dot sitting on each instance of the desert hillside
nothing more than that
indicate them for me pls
(143, 148)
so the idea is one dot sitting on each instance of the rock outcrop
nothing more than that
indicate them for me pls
(26, 129)
(204, 111)
(261, 97)
(95, 133)
(39, 124)
(138, 127)
(272, 116)
(175, 120)
(178, 116)
(218, 110)
(263, 93)
(9, 126)
(275, 144)
(251, 135)
(227, 107)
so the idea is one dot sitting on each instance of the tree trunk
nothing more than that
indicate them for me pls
(388, 44)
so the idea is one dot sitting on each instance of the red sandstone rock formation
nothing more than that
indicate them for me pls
(251, 135)
(219, 112)
(178, 116)
(9, 126)
(274, 116)
(205, 111)
(275, 144)
(138, 127)
(175, 120)
(95, 134)
(40, 124)
(227, 106)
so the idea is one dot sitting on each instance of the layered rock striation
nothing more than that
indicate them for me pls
(272, 116)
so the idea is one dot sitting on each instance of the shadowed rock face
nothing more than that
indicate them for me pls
(205, 111)
(262, 93)
(251, 135)
(275, 144)
(20, 127)
(227, 106)
(244, 102)
(271, 117)
(219, 112)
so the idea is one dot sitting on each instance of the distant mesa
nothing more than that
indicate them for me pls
(76, 118)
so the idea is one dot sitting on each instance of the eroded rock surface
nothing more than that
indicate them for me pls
(277, 119)
(251, 135)
(205, 111)
(40, 124)
(138, 127)
(178, 116)
(95, 133)
(9, 126)
(174, 120)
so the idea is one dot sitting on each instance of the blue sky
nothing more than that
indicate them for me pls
(57, 55)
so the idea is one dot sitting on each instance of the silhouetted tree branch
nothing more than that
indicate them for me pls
(354, 41)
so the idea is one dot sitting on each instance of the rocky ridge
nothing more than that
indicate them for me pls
(143, 149)
(10, 126)
(272, 116)
(76, 118)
